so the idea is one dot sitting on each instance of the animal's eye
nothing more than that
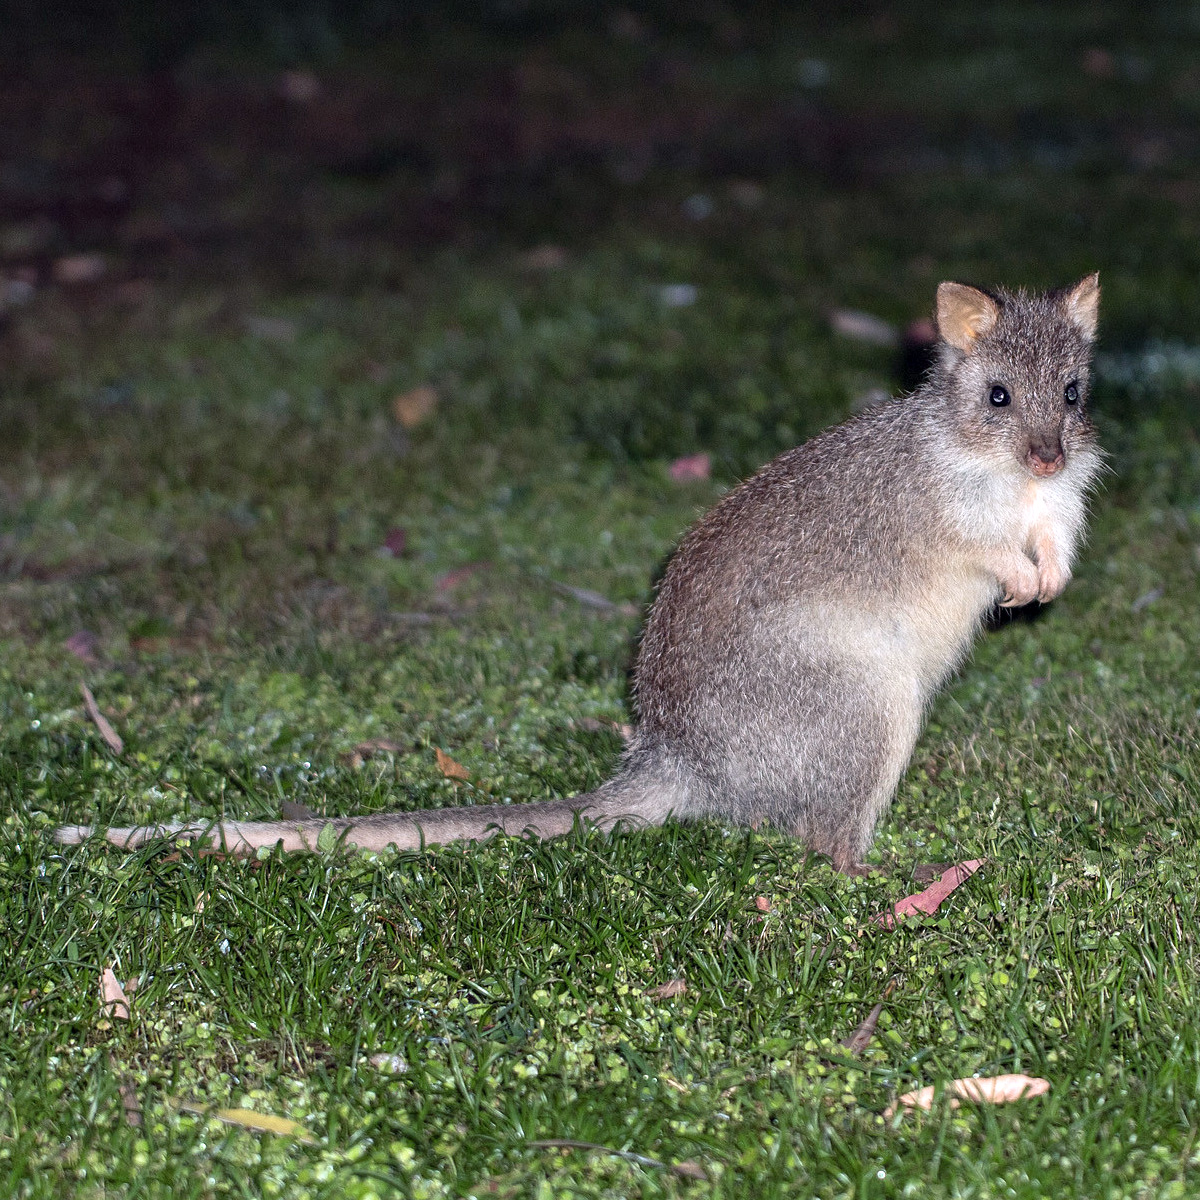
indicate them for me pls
(1071, 395)
(999, 396)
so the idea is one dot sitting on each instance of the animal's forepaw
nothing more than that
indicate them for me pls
(1021, 583)
(1052, 578)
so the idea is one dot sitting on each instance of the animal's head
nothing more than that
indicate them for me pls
(1014, 369)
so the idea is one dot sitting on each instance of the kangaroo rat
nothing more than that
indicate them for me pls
(804, 624)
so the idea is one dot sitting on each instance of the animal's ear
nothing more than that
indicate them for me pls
(1082, 305)
(964, 314)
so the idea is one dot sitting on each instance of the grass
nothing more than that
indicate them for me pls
(207, 495)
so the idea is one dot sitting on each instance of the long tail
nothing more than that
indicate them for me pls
(620, 801)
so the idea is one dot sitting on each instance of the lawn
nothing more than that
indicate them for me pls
(287, 574)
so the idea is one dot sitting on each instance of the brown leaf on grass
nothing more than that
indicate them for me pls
(594, 725)
(1099, 63)
(858, 1041)
(83, 644)
(79, 268)
(130, 1103)
(379, 746)
(389, 1064)
(863, 327)
(585, 596)
(271, 329)
(931, 898)
(685, 1170)
(299, 87)
(997, 1089)
(290, 810)
(450, 768)
(412, 407)
(369, 749)
(129, 1098)
(668, 990)
(543, 258)
(111, 738)
(457, 577)
(691, 466)
(113, 1001)
(762, 904)
(248, 1119)
(396, 542)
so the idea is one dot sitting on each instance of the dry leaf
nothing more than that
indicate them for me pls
(80, 268)
(453, 579)
(1099, 63)
(272, 329)
(678, 295)
(929, 900)
(299, 87)
(450, 768)
(543, 258)
(111, 738)
(1146, 599)
(762, 904)
(585, 596)
(83, 644)
(691, 466)
(998, 1089)
(368, 749)
(389, 1064)
(248, 1119)
(130, 1103)
(113, 1001)
(411, 408)
(396, 542)
(593, 725)
(863, 327)
(665, 991)
(746, 193)
(858, 1041)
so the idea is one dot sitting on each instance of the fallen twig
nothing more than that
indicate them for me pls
(112, 739)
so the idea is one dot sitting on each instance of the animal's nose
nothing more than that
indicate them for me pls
(1045, 459)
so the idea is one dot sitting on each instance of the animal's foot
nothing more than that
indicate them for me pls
(1052, 579)
(850, 866)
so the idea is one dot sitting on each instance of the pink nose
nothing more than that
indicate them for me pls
(1040, 464)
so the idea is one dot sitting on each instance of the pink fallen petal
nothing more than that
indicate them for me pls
(691, 466)
(113, 1001)
(997, 1089)
(931, 898)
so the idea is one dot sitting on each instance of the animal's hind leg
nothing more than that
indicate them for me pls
(851, 770)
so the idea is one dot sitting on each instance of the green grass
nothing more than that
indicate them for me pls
(210, 505)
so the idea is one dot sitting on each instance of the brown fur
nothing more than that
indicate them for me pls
(804, 624)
